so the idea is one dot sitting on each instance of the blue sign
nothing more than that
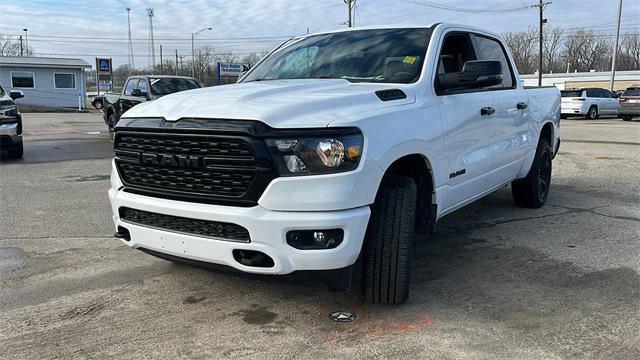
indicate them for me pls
(103, 65)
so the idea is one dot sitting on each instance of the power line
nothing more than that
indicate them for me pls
(440, 6)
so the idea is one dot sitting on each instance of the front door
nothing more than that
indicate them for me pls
(468, 129)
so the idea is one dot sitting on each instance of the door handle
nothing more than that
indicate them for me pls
(487, 110)
(521, 105)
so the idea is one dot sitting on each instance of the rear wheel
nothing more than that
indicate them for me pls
(592, 113)
(532, 191)
(97, 104)
(627, 117)
(389, 242)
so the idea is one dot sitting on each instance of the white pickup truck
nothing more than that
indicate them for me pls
(332, 153)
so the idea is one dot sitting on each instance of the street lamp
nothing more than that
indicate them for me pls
(193, 52)
(26, 40)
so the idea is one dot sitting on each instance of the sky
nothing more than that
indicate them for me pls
(86, 29)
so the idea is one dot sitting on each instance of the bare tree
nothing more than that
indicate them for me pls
(522, 47)
(552, 46)
(11, 47)
(629, 52)
(586, 50)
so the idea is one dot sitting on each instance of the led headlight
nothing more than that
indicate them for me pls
(316, 155)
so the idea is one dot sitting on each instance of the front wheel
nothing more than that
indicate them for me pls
(389, 242)
(532, 191)
(627, 117)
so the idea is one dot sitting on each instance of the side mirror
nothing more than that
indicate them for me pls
(475, 74)
(138, 93)
(16, 94)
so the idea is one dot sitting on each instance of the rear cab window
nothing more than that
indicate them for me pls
(165, 86)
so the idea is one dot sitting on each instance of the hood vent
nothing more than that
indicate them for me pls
(391, 94)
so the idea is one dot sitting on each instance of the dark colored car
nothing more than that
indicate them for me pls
(97, 102)
(630, 103)
(10, 124)
(139, 89)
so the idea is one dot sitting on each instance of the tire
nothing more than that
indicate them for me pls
(97, 104)
(627, 117)
(18, 151)
(532, 191)
(592, 114)
(389, 242)
(112, 124)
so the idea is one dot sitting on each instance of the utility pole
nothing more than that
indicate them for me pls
(152, 48)
(21, 54)
(26, 42)
(615, 47)
(131, 64)
(161, 65)
(350, 5)
(176, 62)
(543, 21)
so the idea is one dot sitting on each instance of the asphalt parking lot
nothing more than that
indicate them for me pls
(494, 281)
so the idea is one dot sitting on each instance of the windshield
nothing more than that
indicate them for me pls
(631, 92)
(386, 56)
(571, 93)
(165, 86)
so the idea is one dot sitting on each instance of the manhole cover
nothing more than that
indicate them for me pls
(343, 316)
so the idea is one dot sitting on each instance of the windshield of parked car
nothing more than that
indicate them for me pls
(381, 55)
(165, 86)
(571, 93)
(631, 92)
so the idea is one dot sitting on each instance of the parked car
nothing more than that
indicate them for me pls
(590, 103)
(10, 124)
(630, 103)
(333, 152)
(97, 101)
(140, 89)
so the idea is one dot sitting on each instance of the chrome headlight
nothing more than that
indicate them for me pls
(316, 155)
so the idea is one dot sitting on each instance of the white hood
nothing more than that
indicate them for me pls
(278, 103)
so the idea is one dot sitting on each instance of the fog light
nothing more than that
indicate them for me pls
(315, 239)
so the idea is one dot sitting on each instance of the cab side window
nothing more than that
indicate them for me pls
(490, 49)
(142, 85)
(131, 84)
(456, 50)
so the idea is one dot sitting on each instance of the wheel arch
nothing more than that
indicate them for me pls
(419, 168)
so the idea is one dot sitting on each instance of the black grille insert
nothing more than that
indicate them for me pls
(205, 228)
(209, 168)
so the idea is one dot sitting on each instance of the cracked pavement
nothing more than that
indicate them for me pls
(494, 281)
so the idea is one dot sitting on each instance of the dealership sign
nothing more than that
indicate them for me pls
(232, 69)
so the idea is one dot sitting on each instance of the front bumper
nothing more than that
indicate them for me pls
(10, 134)
(267, 229)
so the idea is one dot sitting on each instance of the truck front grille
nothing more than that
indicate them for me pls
(209, 168)
(205, 228)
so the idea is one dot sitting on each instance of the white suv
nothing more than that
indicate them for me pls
(590, 103)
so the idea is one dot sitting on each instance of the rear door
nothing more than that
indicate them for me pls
(510, 101)
(468, 134)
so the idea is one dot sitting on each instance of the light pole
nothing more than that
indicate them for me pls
(193, 51)
(26, 41)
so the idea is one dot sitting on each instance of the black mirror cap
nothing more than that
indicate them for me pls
(16, 94)
(475, 74)
(136, 92)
